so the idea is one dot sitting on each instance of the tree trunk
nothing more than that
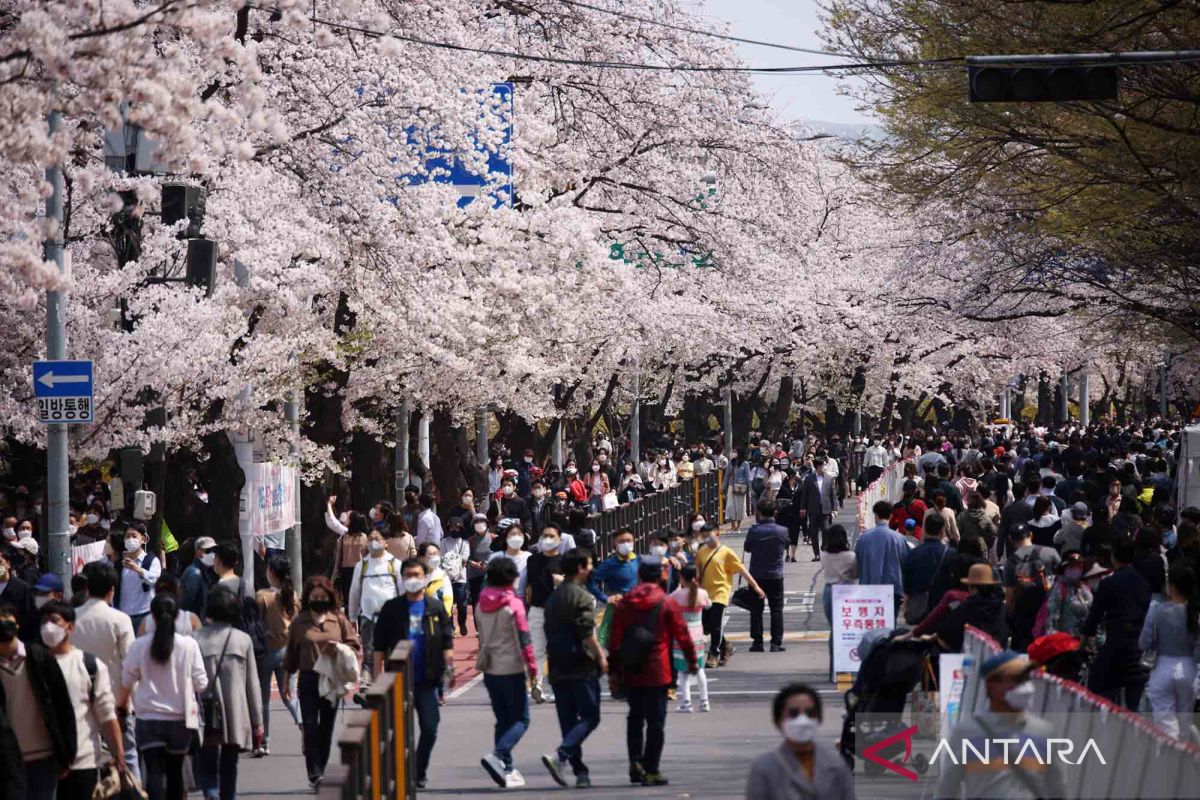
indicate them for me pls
(224, 479)
(782, 411)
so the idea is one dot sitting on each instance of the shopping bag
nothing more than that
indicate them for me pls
(926, 709)
(605, 624)
(609, 501)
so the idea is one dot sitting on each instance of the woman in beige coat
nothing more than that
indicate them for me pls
(229, 661)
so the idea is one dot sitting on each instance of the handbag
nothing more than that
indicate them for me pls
(926, 710)
(609, 501)
(745, 598)
(212, 713)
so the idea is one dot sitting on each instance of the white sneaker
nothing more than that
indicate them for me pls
(704, 706)
(495, 768)
(685, 708)
(514, 780)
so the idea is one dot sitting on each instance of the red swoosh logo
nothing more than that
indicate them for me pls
(871, 753)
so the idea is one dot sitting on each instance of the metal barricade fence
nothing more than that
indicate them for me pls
(377, 743)
(887, 486)
(653, 512)
(1153, 764)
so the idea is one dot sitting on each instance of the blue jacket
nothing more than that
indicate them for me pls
(921, 566)
(881, 553)
(767, 542)
(194, 585)
(613, 576)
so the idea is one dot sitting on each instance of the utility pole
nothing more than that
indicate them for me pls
(1066, 398)
(1164, 406)
(400, 478)
(635, 419)
(728, 423)
(423, 445)
(481, 436)
(56, 350)
(295, 551)
(1085, 410)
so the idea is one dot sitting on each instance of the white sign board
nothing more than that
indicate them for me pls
(268, 498)
(856, 610)
(952, 677)
(85, 554)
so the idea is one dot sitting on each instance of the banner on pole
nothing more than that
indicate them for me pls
(268, 498)
(856, 610)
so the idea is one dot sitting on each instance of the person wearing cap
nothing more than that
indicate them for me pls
(1070, 599)
(511, 505)
(49, 587)
(1058, 654)
(985, 772)
(1074, 523)
(198, 579)
(983, 608)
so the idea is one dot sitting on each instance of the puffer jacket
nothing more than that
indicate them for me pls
(671, 627)
(505, 645)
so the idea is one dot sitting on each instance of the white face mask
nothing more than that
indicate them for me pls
(515, 542)
(375, 515)
(41, 600)
(9, 533)
(549, 544)
(539, 493)
(133, 545)
(658, 550)
(208, 559)
(375, 545)
(24, 533)
(1020, 696)
(624, 548)
(414, 585)
(800, 730)
(595, 467)
(434, 562)
(480, 527)
(508, 491)
(52, 634)
(92, 519)
(698, 525)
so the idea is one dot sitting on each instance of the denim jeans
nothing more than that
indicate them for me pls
(577, 703)
(461, 605)
(217, 771)
(645, 729)
(318, 715)
(127, 733)
(510, 704)
(272, 665)
(429, 716)
(41, 779)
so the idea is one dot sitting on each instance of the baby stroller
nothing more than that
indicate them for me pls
(890, 669)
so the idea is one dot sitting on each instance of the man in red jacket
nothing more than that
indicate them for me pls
(639, 645)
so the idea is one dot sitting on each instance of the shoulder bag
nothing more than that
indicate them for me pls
(211, 710)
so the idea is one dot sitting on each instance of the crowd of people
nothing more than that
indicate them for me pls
(1062, 544)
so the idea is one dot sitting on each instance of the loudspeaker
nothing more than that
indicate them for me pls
(202, 264)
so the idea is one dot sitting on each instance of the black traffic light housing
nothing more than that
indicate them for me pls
(1041, 83)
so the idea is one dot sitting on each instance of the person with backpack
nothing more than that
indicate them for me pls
(909, 506)
(225, 566)
(139, 571)
(376, 580)
(278, 606)
(1028, 577)
(505, 659)
(234, 694)
(645, 625)
(91, 697)
(576, 662)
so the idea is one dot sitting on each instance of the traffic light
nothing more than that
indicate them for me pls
(202, 264)
(1041, 84)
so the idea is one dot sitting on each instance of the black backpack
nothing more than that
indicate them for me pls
(638, 642)
(1032, 584)
(252, 623)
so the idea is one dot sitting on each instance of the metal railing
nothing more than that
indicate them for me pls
(376, 742)
(653, 512)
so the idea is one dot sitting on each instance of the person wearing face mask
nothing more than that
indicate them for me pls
(511, 505)
(617, 574)
(523, 476)
(437, 585)
(1068, 601)
(91, 531)
(139, 571)
(464, 511)
(1009, 695)
(456, 552)
(351, 529)
(47, 589)
(376, 580)
(704, 462)
(514, 549)
(429, 526)
(481, 544)
(198, 579)
(318, 628)
(541, 507)
(803, 767)
(35, 698)
(277, 605)
(543, 573)
(9, 529)
(495, 475)
(411, 617)
(717, 565)
(25, 553)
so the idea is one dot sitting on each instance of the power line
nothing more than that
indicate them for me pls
(624, 65)
(697, 31)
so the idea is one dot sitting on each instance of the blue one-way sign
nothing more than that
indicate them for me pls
(63, 390)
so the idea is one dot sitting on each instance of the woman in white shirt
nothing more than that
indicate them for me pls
(168, 672)
(186, 623)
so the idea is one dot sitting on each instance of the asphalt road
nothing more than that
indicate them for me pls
(706, 755)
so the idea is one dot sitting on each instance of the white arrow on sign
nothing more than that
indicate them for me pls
(50, 379)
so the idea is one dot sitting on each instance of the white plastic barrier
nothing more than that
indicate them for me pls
(888, 487)
(1153, 764)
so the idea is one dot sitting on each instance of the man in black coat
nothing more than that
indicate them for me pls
(818, 501)
(1121, 603)
(19, 595)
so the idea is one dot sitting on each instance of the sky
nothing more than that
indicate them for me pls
(795, 22)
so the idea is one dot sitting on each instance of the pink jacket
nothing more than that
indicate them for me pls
(504, 632)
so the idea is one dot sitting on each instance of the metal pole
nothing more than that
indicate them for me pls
(56, 350)
(1085, 410)
(1163, 404)
(557, 444)
(481, 436)
(635, 420)
(858, 423)
(728, 423)
(1066, 398)
(403, 425)
(423, 442)
(291, 410)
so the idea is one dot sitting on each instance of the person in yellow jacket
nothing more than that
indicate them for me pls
(437, 586)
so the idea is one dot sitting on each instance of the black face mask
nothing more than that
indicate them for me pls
(8, 630)
(320, 606)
